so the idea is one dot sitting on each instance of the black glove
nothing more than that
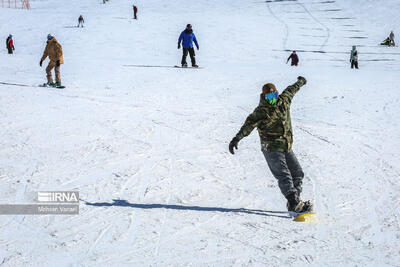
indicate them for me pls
(58, 63)
(301, 78)
(233, 144)
(40, 64)
(13, 48)
(179, 46)
(198, 48)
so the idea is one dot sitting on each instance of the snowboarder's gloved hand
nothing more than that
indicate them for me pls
(233, 144)
(301, 78)
(58, 63)
(179, 46)
(40, 64)
(198, 48)
(13, 48)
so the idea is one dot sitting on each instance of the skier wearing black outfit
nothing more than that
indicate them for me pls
(354, 57)
(294, 57)
(81, 21)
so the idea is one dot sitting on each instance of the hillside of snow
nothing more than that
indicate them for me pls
(147, 147)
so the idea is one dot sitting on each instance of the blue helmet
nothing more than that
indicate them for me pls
(10, 36)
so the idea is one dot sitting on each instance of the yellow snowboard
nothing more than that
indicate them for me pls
(305, 217)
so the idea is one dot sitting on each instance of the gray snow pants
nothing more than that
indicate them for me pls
(287, 170)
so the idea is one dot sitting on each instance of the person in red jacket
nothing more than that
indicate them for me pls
(134, 12)
(10, 44)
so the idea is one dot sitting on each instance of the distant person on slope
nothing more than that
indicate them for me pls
(135, 10)
(272, 119)
(386, 42)
(54, 51)
(187, 38)
(81, 21)
(294, 57)
(354, 57)
(10, 44)
(391, 37)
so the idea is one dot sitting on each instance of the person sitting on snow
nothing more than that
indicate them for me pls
(386, 42)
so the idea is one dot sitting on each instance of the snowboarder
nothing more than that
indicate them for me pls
(54, 51)
(391, 37)
(294, 57)
(81, 21)
(272, 119)
(354, 57)
(187, 38)
(10, 44)
(135, 9)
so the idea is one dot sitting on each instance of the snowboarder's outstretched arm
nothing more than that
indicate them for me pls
(251, 122)
(195, 41)
(289, 58)
(288, 94)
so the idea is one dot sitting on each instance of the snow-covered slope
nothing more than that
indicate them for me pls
(147, 147)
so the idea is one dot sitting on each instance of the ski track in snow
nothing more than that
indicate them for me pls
(147, 147)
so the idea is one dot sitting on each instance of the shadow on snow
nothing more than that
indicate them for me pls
(124, 203)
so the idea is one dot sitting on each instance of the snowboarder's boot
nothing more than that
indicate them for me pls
(295, 204)
(308, 206)
(184, 65)
(50, 84)
(57, 85)
(195, 66)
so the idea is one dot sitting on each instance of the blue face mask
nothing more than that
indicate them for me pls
(271, 98)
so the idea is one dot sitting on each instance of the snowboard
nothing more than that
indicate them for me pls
(51, 86)
(304, 217)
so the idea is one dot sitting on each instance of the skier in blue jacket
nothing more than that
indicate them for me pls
(187, 38)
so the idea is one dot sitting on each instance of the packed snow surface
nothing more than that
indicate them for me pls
(147, 147)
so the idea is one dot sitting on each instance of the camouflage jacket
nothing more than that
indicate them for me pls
(273, 121)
